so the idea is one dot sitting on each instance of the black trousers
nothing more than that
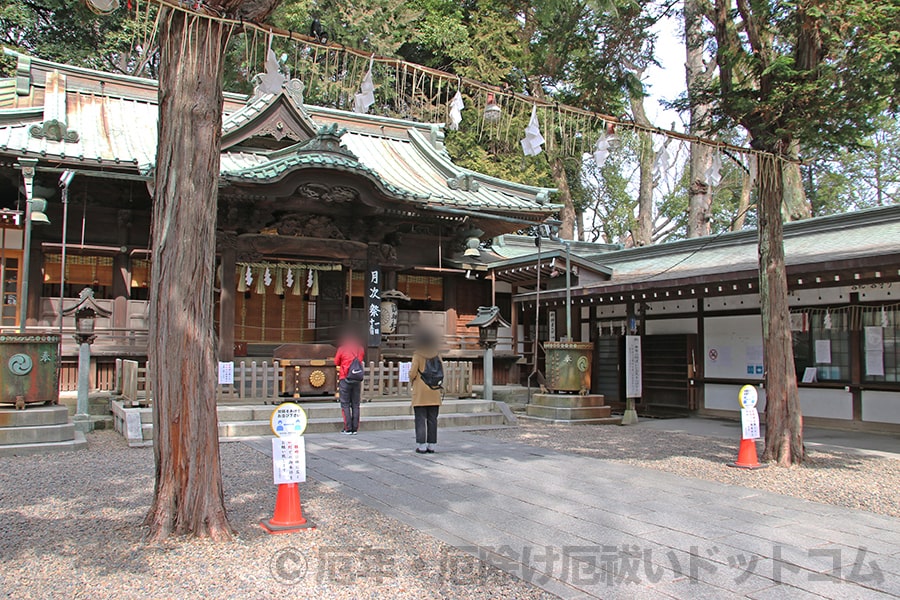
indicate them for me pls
(426, 424)
(350, 395)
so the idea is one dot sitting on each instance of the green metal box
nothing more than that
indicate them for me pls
(29, 369)
(569, 366)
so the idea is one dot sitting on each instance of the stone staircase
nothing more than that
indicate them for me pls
(38, 430)
(244, 421)
(564, 408)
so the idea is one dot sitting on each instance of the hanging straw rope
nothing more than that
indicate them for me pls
(339, 80)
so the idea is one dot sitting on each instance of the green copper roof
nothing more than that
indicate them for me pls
(115, 118)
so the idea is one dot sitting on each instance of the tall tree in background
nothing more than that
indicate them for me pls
(808, 72)
(699, 71)
(188, 496)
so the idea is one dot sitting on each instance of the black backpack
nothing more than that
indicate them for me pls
(433, 375)
(356, 372)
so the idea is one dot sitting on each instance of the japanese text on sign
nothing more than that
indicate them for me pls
(226, 373)
(289, 459)
(373, 306)
(749, 424)
(633, 388)
(288, 420)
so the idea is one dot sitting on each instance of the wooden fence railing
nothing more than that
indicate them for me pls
(261, 381)
(406, 343)
(102, 376)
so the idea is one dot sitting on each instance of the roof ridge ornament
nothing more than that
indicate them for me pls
(328, 139)
(54, 126)
(464, 181)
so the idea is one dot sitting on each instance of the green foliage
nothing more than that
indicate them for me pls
(817, 74)
(66, 31)
(862, 177)
(496, 157)
(379, 26)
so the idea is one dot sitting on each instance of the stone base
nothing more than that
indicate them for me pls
(83, 423)
(561, 408)
(38, 430)
(77, 442)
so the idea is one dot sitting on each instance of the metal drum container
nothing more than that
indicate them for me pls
(569, 366)
(29, 369)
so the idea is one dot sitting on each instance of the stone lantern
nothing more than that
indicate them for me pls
(85, 312)
(488, 321)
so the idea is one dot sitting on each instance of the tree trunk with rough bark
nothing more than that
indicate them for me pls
(743, 202)
(567, 213)
(697, 76)
(784, 422)
(643, 236)
(188, 497)
(795, 206)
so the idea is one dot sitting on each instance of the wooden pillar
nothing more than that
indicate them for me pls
(228, 287)
(514, 320)
(35, 284)
(856, 360)
(121, 277)
(121, 289)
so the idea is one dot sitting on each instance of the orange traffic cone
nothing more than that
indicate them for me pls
(288, 512)
(747, 456)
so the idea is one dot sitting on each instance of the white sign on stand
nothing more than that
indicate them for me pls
(226, 373)
(288, 423)
(748, 397)
(289, 459)
(749, 424)
(633, 388)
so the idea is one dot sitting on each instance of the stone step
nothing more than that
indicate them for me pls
(239, 429)
(333, 410)
(556, 413)
(76, 443)
(568, 400)
(37, 434)
(34, 415)
(598, 421)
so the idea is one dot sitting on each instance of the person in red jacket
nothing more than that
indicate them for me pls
(349, 392)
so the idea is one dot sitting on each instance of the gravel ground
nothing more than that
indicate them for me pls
(70, 527)
(848, 479)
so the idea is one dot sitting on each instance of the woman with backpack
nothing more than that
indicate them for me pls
(426, 375)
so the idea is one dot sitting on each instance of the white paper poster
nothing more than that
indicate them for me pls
(810, 374)
(749, 424)
(404, 371)
(874, 362)
(874, 351)
(289, 459)
(226, 373)
(823, 352)
(874, 339)
(633, 366)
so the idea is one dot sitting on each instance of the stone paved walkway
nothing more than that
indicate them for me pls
(581, 527)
